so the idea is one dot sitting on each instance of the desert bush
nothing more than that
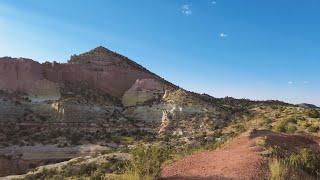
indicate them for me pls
(286, 125)
(313, 128)
(87, 169)
(128, 175)
(280, 127)
(277, 115)
(97, 175)
(306, 160)
(147, 160)
(239, 127)
(44, 174)
(266, 123)
(313, 113)
(278, 152)
(278, 171)
(114, 165)
(291, 120)
(261, 142)
(304, 164)
(290, 128)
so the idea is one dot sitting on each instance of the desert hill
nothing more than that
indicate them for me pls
(84, 117)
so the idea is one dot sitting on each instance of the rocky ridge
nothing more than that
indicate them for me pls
(101, 98)
(97, 97)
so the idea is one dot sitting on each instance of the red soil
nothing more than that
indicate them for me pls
(239, 159)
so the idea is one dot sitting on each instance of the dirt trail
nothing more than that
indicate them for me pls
(239, 159)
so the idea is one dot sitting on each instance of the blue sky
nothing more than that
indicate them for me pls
(242, 48)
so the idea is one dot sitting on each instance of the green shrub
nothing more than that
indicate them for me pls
(280, 127)
(313, 128)
(286, 125)
(290, 128)
(278, 115)
(97, 175)
(87, 169)
(147, 160)
(261, 142)
(306, 160)
(291, 120)
(44, 174)
(128, 175)
(313, 113)
(266, 123)
(278, 152)
(278, 171)
(239, 127)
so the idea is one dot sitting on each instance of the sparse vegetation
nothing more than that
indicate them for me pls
(148, 157)
(278, 171)
(147, 160)
(313, 113)
(304, 164)
(261, 142)
(287, 125)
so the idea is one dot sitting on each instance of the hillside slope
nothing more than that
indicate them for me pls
(241, 158)
(96, 98)
(101, 103)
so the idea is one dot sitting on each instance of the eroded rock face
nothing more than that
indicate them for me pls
(142, 91)
(101, 68)
(26, 76)
(17, 160)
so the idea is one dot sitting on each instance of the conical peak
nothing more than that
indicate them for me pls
(100, 49)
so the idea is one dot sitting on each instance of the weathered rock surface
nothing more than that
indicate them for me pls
(17, 160)
(142, 91)
(101, 68)
(26, 76)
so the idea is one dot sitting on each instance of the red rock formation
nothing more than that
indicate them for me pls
(101, 68)
(25, 75)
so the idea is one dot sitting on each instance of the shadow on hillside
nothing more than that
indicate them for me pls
(292, 142)
(195, 178)
(260, 133)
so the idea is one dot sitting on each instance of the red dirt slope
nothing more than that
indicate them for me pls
(239, 159)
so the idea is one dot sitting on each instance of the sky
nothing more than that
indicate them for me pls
(253, 49)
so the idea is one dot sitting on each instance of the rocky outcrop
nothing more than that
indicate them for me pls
(18, 160)
(142, 91)
(101, 68)
(26, 76)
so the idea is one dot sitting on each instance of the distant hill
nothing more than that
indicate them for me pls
(305, 105)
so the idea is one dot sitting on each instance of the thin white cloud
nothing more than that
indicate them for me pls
(223, 35)
(213, 2)
(186, 9)
(296, 82)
